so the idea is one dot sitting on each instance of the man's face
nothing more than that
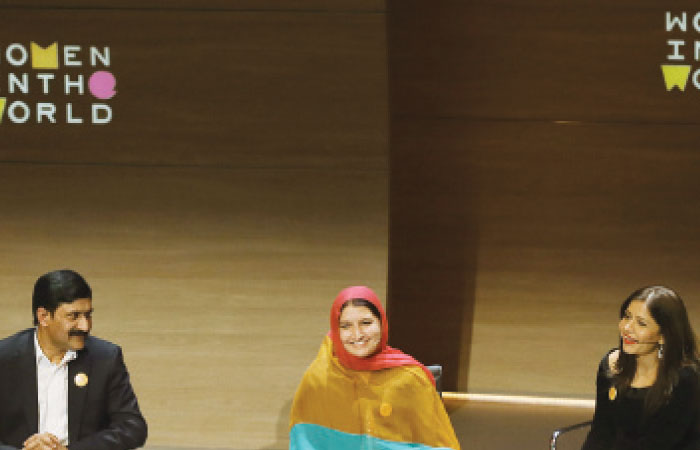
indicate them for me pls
(69, 325)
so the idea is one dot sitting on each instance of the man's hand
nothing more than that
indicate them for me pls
(43, 441)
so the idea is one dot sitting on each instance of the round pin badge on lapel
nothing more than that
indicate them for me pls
(612, 393)
(81, 380)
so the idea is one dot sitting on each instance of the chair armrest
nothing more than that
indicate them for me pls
(559, 431)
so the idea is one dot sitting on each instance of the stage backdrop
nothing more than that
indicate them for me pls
(216, 170)
(540, 172)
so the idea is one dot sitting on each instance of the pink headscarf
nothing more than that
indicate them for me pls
(386, 356)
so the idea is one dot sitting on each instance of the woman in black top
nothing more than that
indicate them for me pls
(647, 388)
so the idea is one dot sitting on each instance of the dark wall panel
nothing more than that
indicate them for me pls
(432, 252)
(594, 61)
(361, 6)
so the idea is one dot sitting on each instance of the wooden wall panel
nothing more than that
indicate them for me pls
(432, 255)
(543, 60)
(218, 283)
(242, 183)
(361, 6)
(209, 88)
(564, 221)
(554, 173)
(219, 294)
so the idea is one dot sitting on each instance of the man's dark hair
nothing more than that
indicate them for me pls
(59, 286)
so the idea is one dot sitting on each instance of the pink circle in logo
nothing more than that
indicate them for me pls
(101, 85)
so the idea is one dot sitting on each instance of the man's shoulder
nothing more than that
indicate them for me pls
(101, 347)
(10, 344)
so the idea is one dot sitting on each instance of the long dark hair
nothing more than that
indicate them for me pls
(679, 349)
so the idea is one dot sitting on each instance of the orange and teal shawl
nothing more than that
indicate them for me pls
(388, 404)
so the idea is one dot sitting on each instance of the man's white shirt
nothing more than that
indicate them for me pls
(52, 384)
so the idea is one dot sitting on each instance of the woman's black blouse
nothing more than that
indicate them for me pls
(619, 423)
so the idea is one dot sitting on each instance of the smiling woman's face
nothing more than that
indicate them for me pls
(639, 331)
(360, 331)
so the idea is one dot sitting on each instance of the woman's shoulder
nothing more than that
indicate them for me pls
(689, 374)
(408, 375)
(688, 383)
(322, 363)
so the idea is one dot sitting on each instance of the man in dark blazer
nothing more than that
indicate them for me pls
(61, 388)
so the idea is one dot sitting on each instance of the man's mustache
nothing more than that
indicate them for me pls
(78, 333)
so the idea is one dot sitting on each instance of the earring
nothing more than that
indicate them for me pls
(661, 351)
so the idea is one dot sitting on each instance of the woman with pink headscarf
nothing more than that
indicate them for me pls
(360, 393)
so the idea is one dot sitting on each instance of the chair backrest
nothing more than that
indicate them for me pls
(436, 370)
